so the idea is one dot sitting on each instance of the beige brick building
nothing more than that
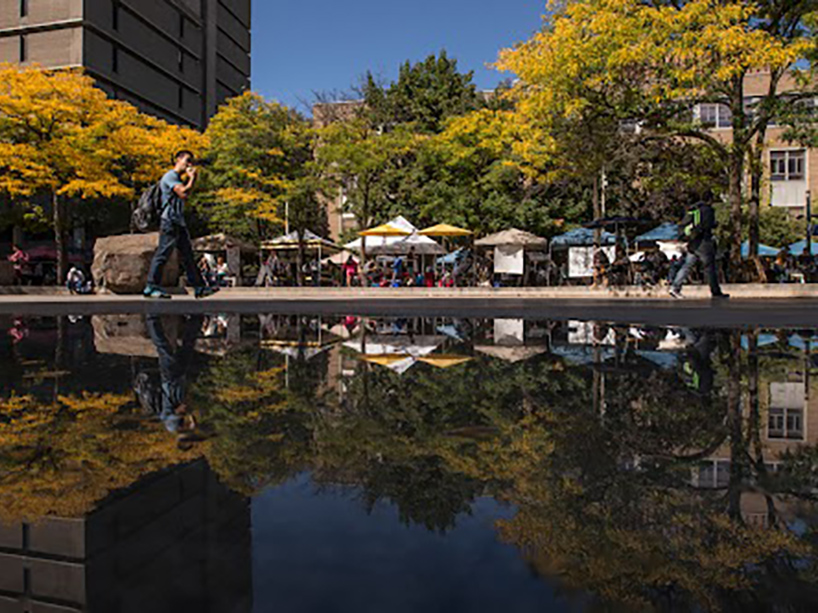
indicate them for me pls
(176, 59)
(791, 169)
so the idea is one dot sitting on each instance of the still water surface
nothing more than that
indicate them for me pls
(295, 463)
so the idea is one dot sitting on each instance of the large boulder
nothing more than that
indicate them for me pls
(121, 263)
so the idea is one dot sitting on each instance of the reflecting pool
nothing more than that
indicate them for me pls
(238, 463)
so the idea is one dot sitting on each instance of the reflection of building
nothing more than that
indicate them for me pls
(176, 59)
(175, 541)
(789, 419)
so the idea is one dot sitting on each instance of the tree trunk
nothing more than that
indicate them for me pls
(738, 149)
(756, 178)
(59, 237)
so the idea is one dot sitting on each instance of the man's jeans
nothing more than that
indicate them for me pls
(706, 253)
(173, 236)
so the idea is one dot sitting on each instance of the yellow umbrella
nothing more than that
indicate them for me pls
(445, 361)
(444, 229)
(385, 230)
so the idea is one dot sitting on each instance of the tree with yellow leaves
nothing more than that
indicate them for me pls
(654, 62)
(62, 137)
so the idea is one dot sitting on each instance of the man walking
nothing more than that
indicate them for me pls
(697, 229)
(176, 187)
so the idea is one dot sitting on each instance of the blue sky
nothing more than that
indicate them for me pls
(326, 45)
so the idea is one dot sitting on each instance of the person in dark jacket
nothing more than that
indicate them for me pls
(697, 228)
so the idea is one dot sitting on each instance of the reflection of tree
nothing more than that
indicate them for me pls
(613, 510)
(430, 441)
(259, 438)
(61, 458)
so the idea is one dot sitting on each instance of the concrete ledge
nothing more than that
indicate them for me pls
(53, 295)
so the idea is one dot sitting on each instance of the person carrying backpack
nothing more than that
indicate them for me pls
(697, 228)
(176, 187)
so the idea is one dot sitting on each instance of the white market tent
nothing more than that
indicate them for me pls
(397, 245)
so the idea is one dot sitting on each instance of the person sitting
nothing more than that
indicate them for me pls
(429, 277)
(222, 272)
(76, 283)
(601, 266)
(783, 265)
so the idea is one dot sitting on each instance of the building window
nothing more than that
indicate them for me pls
(787, 165)
(115, 15)
(115, 59)
(23, 8)
(786, 424)
(23, 48)
(181, 100)
(714, 115)
(181, 61)
(181, 26)
(712, 474)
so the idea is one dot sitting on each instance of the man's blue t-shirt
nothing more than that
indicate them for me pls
(173, 207)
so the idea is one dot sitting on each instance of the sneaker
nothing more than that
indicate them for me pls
(155, 293)
(720, 296)
(204, 292)
(675, 293)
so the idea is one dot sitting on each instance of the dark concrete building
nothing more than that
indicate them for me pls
(173, 542)
(176, 59)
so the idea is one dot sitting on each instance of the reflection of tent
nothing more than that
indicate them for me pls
(513, 237)
(764, 251)
(290, 241)
(511, 354)
(445, 361)
(398, 353)
(215, 243)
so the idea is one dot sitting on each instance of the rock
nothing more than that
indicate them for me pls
(121, 263)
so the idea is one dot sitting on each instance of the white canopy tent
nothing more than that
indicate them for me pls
(397, 245)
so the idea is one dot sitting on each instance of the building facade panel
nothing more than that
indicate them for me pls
(234, 28)
(233, 53)
(239, 8)
(54, 48)
(39, 12)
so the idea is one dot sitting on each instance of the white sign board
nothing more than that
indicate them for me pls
(581, 260)
(509, 260)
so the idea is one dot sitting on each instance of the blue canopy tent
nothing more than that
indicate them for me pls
(764, 251)
(665, 232)
(801, 246)
(582, 237)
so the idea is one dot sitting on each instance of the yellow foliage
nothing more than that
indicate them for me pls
(63, 458)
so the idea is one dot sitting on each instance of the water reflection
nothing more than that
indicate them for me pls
(625, 466)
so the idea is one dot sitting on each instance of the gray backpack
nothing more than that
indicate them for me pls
(146, 215)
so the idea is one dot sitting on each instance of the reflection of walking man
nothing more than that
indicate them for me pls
(176, 187)
(173, 368)
(697, 227)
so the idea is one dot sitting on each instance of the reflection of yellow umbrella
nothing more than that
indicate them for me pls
(444, 229)
(385, 230)
(385, 359)
(446, 361)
